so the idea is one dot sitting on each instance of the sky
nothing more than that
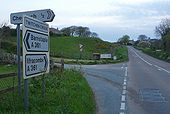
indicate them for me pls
(110, 19)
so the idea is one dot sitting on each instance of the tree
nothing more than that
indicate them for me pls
(144, 44)
(5, 31)
(94, 35)
(82, 31)
(66, 31)
(78, 31)
(124, 39)
(162, 30)
(142, 37)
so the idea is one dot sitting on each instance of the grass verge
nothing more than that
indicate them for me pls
(162, 55)
(66, 93)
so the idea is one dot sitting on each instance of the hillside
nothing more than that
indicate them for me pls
(68, 47)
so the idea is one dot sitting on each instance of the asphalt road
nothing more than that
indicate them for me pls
(140, 86)
(148, 84)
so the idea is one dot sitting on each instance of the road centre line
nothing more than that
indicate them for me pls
(123, 98)
(124, 87)
(125, 79)
(122, 66)
(124, 92)
(126, 73)
(122, 106)
(121, 113)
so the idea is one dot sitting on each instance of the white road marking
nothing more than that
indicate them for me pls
(122, 66)
(124, 87)
(161, 68)
(122, 106)
(123, 98)
(124, 92)
(142, 58)
(124, 83)
(126, 72)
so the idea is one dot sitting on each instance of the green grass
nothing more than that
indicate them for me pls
(68, 47)
(122, 53)
(162, 55)
(7, 68)
(66, 93)
(7, 82)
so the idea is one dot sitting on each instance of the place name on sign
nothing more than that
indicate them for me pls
(35, 24)
(35, 41)
(35, 64)
(45, 15)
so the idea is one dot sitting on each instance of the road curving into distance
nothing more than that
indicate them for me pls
(140, 86)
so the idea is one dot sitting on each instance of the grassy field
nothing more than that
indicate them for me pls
(66, 93)
(68, 47)
(8, 68)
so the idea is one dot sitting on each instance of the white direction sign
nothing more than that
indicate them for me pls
(35, 47)
(35, 64)
(35, 41)
(45, 15)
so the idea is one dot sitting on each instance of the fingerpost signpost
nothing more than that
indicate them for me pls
(35, 56)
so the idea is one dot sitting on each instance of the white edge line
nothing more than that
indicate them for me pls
(142, 59)
(161, 68)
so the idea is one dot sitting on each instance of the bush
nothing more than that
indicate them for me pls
(10, 47)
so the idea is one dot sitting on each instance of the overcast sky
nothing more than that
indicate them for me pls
(111, 19)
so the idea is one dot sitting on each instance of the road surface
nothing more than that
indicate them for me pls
(148, 84)
(140, 86)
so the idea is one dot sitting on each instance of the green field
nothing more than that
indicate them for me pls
(68, 47)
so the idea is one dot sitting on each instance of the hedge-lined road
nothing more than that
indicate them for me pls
(140, 86)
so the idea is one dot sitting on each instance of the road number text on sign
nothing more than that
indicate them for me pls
(35, 64)
(36, 41)
(35, 47)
